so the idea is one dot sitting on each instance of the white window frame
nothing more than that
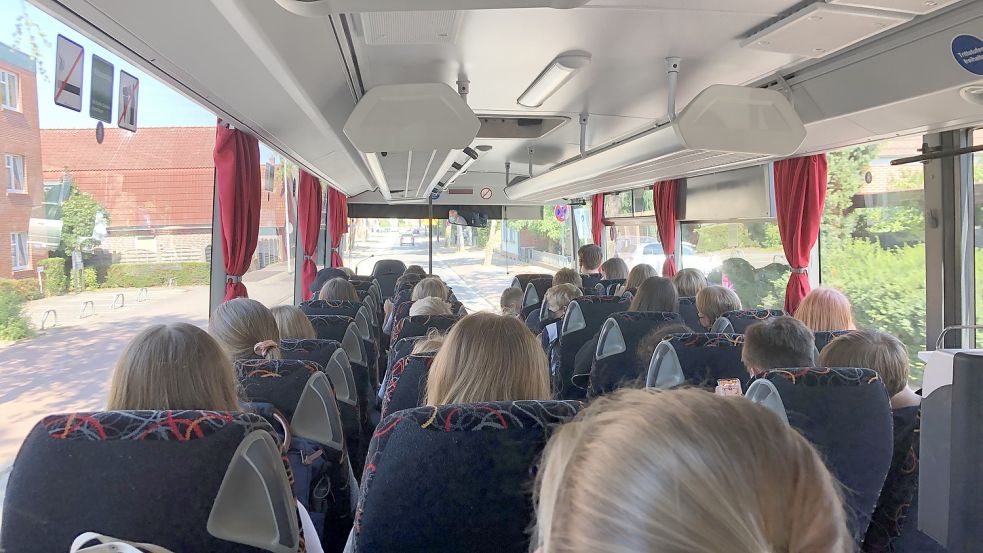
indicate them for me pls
(19, 251)
(10, 82)
(9, 163)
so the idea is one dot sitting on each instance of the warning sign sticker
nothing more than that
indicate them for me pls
(129, 93)
(68, 73)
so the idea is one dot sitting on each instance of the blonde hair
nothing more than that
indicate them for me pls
(684, 471)
(293, 323)
(430, 306)
(689, 282)
(826, 309)
(639, 273)
(511, 301)
(714, 301)
(568, 276)
(614, 269)
(488, 357)
(338, 289)
(242, 324)
(430, 287)
(430, 344)
(559, 297)
(173, 367)
(348, 272)
(869, 349)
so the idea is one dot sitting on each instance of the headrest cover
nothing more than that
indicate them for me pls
(316, 417)
(339, 372)
(530, 297)
(611, 341)
(764, 393)
(353, 346)
(722, 326)
(665, 370)
(574, 320)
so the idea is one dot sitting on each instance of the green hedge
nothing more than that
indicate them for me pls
(26, 288)
(140, 275)
(13, 324)
(55, 278)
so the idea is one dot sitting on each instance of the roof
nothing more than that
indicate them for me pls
(148, 148)
(14, 57)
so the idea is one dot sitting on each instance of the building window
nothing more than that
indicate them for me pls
(9, 91)
(18, 251)
(15, 173)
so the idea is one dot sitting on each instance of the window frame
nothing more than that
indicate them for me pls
(18, 245)
(9, 167)
(12, 90)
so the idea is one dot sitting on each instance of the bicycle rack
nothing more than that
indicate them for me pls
(44, 318)
(92, 309)
(118, 302)
(142, 295)
(171, 282)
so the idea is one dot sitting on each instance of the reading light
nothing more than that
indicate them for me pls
(972, 93)
(552, 78)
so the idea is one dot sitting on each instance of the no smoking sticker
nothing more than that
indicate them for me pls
(485, 193)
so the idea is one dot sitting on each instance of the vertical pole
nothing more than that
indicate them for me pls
(216, 288)
(505, 233)
(430, 226)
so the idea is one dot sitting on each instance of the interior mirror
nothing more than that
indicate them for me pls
(467, 218)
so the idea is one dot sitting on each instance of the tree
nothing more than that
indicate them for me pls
(37, 41)
(548, 226)
(78, 221)
(846, 178)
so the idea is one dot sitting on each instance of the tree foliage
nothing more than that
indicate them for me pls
(28, 30)
(547, 226)
(846, 178)
(78, 221)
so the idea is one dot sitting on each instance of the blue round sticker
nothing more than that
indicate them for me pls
(968, 51)
(560, 212)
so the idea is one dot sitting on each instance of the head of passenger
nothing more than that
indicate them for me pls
(881, 352)
(558, 298)
(826, 309)
(348, 272)
(293, 323)
(638, 274)
(430, 306)
(409, 279)
(175, 366)
(488, 357)
(511, 302)
(338, 289)
(415, 270)
(689, 282)
(589, 258)
(430, 344)
(644, 470)
(656, 294)
(780, 343)
(614, 269)
(648, 343)
(568, 276)
(246, 329)
(714, 301)
(430, 287)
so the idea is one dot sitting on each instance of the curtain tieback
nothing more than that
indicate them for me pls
(336, 249)
(308, 258)
(671, 255)
(800, 270)
(232, 279)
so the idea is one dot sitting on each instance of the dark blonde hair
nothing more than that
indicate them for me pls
(870, 349)
(241, 325)
(656, 294)
(614, 269)
(176, 366)
(826, 309)
(511, 301)
(689, 282)
(430, 287)
(643, 470)
(648, 343)
(714, 301)
(638, 275)
(590, 257)
(338, 289)
(293, 323)
(568, 276)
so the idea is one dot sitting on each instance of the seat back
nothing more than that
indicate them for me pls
(846, 414)
(386, 271)
(184, 480)
(608, 287)
(690, 314)
(407, 383)
(455, 478)
(582, 321)
(330, 327)
(824, 338)
(736, 322)
(420, 325)
(520, 280)
(344, 308)
(590, 282)
(616, 356)
(534, 294)
(698, 360)
(402, 310)
(372, 286)
(402, 349)
(332, 359)
(324, 275)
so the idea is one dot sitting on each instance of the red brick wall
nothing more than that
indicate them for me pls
(19, 134)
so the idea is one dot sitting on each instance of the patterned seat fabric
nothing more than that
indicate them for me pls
(824, 338)
(420, 325)
(455, 477)
(330, 327)
(610, 285)
(386, 271)
(846, 414)
(402, 310)
(740, 320)
(595, 310)
(540, 285)
(138, 475)
(690, 315)
(520, 280)
(706, 358)
(279, 382)
(402, 349)
(590, 281)
(407, 384)
(609, 373)
(331, 307)
(317, 350)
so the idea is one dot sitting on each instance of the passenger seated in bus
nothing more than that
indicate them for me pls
(415, 270)
(648, 343)
(488, 357)
(655, 294)
(888, 357)
(714, 301)
(179, 366)
(348, 272)
(589, 258)
(245, 329)
(430, 287)
(780, 343)
(557, 300)
(568, 276)
(641, 470)
(430, 306)
(406, 278)
(614, 269)
(338, 289)
(511, 302)
(636, 277)
(689, 282)
(430, 344)
(293, 323)
(826, 309)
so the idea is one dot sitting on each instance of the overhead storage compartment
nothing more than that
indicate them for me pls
(722, 128)
(320, 8)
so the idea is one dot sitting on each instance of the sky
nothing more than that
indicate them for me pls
(159, 105)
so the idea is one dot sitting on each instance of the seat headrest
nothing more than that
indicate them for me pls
(665, 370)
(363, 323)
(764, 393)
(388, 266)
(279, 382)
(420, 325)
(330, 327)
(324, 275)
(744, 318)
(354, 346)
(407, 383)
(622, 331)
(703, 358)
(589, 307)
(331, 307)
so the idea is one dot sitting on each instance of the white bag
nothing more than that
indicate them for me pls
(107, 544)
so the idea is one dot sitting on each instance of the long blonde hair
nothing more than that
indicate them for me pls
(825, 309)
(488, 357)
(338, 289)
(245, 328)
(639, 274)
(173, 367)
(430, 287)
(293, 323)
(684, 471)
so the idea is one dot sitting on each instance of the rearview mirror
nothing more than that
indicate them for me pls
(467, 218)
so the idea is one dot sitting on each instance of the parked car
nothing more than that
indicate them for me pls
(653, 254)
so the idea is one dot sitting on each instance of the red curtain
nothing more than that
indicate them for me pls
(597, 219)
(665, 193)
(337, 223)
(800, 195)
(237, 177)
(309, 205)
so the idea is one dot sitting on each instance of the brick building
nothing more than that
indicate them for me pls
(20, 150)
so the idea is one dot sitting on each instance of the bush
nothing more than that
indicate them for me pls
(27, 288)
(55, 277)
(140, 275)
(13, 324)
(91, 279)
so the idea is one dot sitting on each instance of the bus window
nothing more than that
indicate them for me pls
(271, 272)
(873, 240)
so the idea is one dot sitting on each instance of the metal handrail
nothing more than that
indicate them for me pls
(44, 318)
(946, 330)
(92, 311)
